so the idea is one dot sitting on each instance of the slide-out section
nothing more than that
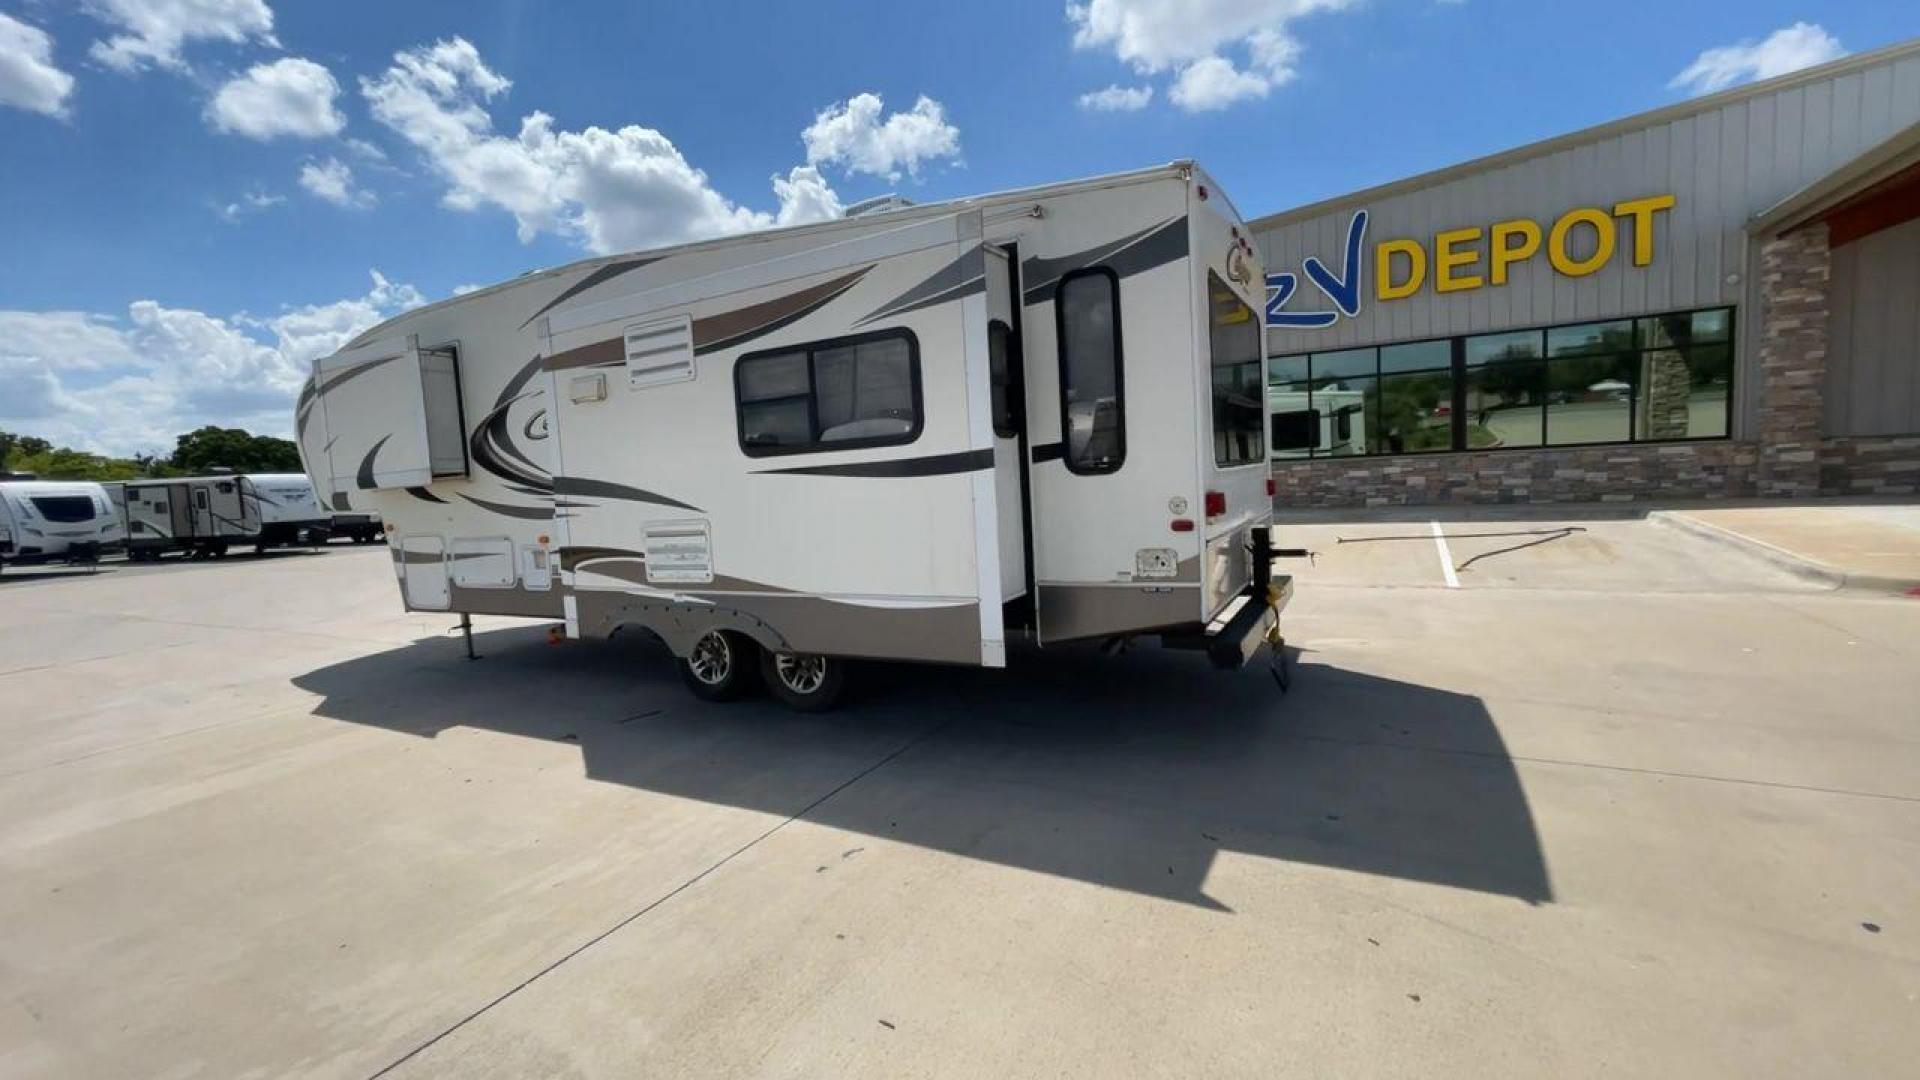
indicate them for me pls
(393, 416)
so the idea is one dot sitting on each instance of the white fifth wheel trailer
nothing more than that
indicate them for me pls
(57, 521)
(908, 435)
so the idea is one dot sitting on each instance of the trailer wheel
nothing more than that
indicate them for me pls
(720, 667)
(804, 681)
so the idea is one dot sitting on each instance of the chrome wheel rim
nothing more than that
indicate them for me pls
(801, 674)
(712, 659)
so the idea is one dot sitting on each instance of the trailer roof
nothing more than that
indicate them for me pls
(1179, 167)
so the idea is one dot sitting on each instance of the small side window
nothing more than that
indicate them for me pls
(1006, 408)
(1092, 390)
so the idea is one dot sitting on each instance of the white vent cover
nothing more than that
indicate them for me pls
(660, 352)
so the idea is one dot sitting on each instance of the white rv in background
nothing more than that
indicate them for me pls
(204, 516)
(57, 521)
(199, 515)
(289, 511)
(911, 435)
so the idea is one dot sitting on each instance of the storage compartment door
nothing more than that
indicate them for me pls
(423, 569)
(393, 416)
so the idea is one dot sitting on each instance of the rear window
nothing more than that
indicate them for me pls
(1238, 383)
(67, 509)
(1093, 417)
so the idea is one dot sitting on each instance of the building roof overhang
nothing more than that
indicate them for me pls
(1891, 167)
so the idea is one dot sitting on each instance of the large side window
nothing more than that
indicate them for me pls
(830, 395)
(1235, 337)
(1092, 406)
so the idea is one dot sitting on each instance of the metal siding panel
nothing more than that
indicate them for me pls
(1839, 389)
(1632, 293)
(1735, 195)
(1844, 138)
(1906, 92)
(1658, 278)
(1789, 135)
(1893, 262)
(1817, 134)
(1694, 137)
(1484, 208)
(1876, 106)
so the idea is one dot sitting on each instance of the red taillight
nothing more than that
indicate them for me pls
(1216, 503)
(1272, 488)
(1182, 524)
(1202, 192)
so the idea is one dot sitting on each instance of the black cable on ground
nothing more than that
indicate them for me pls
(1544, 536)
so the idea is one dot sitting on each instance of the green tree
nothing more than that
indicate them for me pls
(21, 445)
(232, 448)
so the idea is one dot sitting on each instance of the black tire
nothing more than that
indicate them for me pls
(721, 667)
(804, 682)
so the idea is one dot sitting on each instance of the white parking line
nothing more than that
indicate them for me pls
(1446, 557)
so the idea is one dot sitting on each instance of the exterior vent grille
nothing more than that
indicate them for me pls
(660, 352)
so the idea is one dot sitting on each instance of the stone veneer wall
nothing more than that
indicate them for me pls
(1703, 470)
(1787, 458)
(1887, 465)
(1795, 272)
(1884, 465)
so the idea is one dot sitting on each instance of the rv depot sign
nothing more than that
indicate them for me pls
(1462, 260)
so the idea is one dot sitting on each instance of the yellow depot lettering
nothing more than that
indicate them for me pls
(1506, 253)
(1446, 259)
(1642, 211)
(1383, 254)
(1557, 252)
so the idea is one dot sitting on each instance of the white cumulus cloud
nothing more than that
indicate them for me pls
(805, 196)
(247, 205)
(331, 180)
(28, 78)
(1117, 99)
(291, 96)
(123, 385)
(153, 32)
(1214, 83)
(1218, 51)
(607, 190)
(856, 135)
(1787, 49)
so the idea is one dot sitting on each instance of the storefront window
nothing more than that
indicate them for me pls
(1626, 380)
(1591, 376)
(1505, 392)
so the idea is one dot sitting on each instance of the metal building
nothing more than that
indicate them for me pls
(1716, 299)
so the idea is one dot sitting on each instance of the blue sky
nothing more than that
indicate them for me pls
(199, 196)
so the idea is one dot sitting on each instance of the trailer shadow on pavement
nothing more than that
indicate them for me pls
(1132, 771)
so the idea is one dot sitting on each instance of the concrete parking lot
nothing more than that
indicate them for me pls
(1620, 802)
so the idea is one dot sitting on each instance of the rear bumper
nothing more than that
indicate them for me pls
(1248, 623)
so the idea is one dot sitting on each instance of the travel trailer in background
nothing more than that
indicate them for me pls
(57, 521)
(909, 435)
(200, 515)
(204, 516)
